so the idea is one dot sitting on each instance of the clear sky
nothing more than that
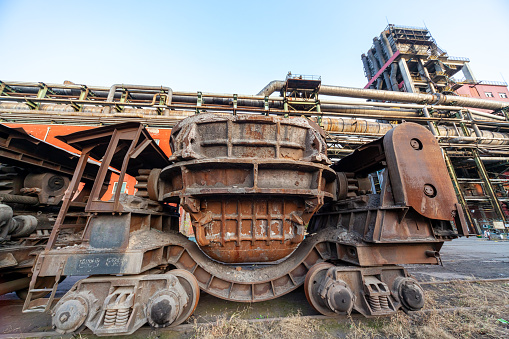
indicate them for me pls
(232, 46)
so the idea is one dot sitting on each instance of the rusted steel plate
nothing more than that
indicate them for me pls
(418, 173)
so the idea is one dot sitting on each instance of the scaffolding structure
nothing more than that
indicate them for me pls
(408, 59)
(475, 143)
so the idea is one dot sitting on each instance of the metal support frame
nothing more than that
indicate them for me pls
(459, 193)
(487, 186)
(481, 170)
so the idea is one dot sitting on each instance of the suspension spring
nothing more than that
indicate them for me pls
(384, 302)
(109, 317)
(374, 302)
(122, 316)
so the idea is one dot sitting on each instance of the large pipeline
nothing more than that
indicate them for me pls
(374, 94)
(394, 82)
(365, 63)
(166, 91)
(378, 49)
(332, 108)
(14, 285)
(382, 110)
(140, 93)
(360, 126)
(277, 85)
(387, 45)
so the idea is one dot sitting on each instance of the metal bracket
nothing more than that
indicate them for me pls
(199, 101)
(235, 104)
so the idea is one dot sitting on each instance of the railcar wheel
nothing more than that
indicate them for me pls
(190, 285)
(70, 314)
(312, 282)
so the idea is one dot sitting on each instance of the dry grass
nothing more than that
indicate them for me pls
(480, 305)
(293, 326)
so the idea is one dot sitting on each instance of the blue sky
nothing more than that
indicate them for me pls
(232, 46)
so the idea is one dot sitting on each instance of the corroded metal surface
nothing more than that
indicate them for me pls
(377, 291)
(121, 305)
(33, 177)
(250, 183)
(414, 207)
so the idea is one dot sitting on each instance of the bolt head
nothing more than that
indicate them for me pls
(430, 191)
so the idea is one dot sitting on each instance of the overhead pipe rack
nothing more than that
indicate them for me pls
(480, 136)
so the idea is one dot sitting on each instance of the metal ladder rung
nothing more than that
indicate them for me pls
(71, 226)
(41, 304)
(37, 305)
(35, 290)
(77, 204)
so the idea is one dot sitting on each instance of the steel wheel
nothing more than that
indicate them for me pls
(311, 284)
(190, 285)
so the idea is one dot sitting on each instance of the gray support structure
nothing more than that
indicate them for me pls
(394, 81)
(379, 52)
(367, 70)
(467, 72)
(374, 61)
(387, 45)
(405, 73)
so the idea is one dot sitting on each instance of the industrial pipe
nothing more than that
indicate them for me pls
(366, 66)
(387, 45)
(394, 81)
(381, 60)
(354, 126)
(114, 87)
(14, 285)
(374, 61)
(435, 98)
(273, 86)
(424, 98)
(276, 85)
(361, 126)
(486, 115)
(346, 107)
(18, 226)
(378, 49)
(75, 90)
(258, 101)
(18, 199)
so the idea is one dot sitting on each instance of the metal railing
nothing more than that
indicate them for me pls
(494, 83)
(303, 77)
(454, 58)
(481, 82)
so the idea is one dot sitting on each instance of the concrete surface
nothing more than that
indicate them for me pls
(467, 259)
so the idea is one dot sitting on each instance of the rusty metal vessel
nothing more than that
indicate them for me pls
(250, 183)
